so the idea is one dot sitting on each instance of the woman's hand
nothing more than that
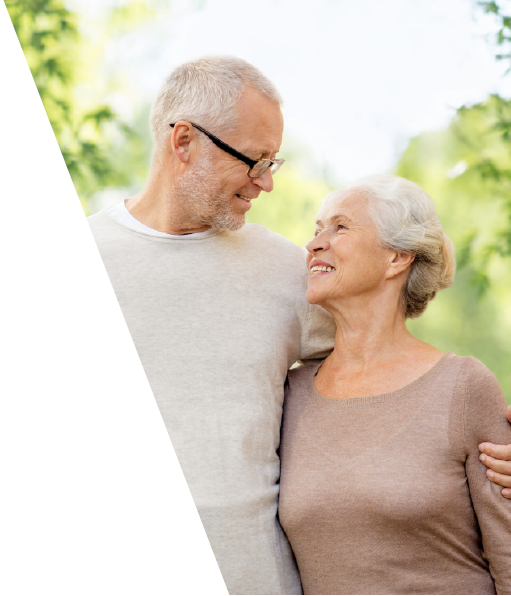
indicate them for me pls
(498, 459)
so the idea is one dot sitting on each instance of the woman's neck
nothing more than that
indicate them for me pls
(369, 330)
(374, 352)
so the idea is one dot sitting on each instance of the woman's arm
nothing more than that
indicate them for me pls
(498, 459)
(484, 419)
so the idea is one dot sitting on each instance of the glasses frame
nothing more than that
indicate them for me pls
(269, 163)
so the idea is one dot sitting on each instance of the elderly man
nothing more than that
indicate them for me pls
(216, 309)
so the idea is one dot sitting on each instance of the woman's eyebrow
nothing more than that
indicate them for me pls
(342, 216)
(333, 219)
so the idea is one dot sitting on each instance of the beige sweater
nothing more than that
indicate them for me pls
(386, 494)
(217, 322)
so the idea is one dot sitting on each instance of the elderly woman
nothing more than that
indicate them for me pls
(382, 490)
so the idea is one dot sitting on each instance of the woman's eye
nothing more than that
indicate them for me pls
(341, 227)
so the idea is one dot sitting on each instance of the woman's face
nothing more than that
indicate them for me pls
(346, 244)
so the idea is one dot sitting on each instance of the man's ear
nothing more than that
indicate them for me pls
(179, 141)
(400, 261)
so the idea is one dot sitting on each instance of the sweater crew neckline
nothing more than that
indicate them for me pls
(380, 397)
(160, 237)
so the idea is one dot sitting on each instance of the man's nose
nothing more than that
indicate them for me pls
(265, 181)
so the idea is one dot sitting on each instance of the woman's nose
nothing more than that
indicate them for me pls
(317, 244)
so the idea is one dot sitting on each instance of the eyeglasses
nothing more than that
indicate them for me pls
(257, 167)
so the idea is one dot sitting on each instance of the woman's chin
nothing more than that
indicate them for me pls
(313, 297)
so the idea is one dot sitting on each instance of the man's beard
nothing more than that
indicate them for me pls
(204, 199)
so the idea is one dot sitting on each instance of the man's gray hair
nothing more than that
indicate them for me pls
(205, 92)
(406, 221)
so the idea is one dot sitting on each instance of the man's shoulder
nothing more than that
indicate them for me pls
(111, 238)
(265, 238)
(258, 231)
(99, 221)
(107, 230)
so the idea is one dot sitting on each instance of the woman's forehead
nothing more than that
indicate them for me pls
(341, 203)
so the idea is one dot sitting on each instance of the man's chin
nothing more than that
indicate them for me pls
(231, 222)
(235, 225)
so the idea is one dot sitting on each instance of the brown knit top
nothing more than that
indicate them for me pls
(386, 494)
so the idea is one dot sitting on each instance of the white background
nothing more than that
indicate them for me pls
(93, 500)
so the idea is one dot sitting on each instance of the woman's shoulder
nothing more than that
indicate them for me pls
(483, 404)
(462, 368)
(473, 371)
(477, 387)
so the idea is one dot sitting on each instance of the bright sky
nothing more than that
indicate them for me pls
(358, 77)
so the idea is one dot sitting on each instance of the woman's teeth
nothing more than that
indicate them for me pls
(320, 269)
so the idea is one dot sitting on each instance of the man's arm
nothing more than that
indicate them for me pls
(498, 459)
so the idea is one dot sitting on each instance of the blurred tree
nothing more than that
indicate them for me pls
(49, 35)
(484, 134)
(467, 170)
(291, 208)
(474, 209)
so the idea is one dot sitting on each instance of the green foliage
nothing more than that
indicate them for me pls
(291, 208)
(503, 37)
(129, 16)
(466, 168)
(484, 132)
(49, 35)
(474, 208)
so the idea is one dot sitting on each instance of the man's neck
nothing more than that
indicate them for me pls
(160, 214)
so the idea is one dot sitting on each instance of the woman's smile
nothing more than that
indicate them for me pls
(317, 267)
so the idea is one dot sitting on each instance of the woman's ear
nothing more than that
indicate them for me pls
(400, 261)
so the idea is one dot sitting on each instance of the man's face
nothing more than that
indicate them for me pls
(216, 188)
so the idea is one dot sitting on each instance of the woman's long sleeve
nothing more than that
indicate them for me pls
(485, 420)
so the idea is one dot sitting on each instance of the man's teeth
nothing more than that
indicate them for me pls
(318, 268)
(244, 198)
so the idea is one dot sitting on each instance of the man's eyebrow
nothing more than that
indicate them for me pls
(261, 151)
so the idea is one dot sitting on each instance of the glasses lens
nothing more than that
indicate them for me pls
(277, 165)
(261, 166)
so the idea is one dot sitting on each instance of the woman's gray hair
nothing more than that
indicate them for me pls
(407, 222)
(205, 91)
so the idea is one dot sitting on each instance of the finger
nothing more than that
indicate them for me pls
(497, 465)
(507, 493)
(499, 479)
(509, 413)
(497, 451)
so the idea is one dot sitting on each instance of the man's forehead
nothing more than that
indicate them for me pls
(260, 122)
